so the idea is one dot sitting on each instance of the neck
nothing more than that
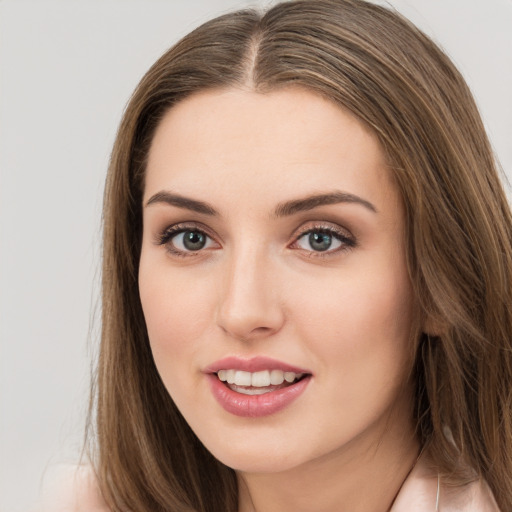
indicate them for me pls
(363, 476)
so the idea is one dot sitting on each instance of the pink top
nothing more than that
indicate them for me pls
(419, 493)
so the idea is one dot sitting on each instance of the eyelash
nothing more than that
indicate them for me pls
(165, 238)
(347, 241)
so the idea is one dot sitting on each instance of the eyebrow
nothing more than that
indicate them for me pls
(284, 209)
(182, 202)
(313, 201)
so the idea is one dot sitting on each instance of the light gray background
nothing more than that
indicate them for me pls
(67, 69)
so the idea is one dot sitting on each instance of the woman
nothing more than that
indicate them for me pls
(307, 273)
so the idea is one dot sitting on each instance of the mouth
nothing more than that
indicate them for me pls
(258, 383)
(256, 387)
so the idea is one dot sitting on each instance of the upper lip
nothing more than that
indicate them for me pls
(254, 364)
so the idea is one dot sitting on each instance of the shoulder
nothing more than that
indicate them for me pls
(422, 492)
(71, 488)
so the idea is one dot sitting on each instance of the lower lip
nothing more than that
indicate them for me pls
(255, 406)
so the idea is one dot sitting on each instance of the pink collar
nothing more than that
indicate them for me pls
(422, 491)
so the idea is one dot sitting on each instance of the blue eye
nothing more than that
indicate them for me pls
(190, 240)
(320, 241)
(324, 240)
(179, 240)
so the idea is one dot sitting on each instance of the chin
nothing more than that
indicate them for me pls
(257, 460)
(259, 450)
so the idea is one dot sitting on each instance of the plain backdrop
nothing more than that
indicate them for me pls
(67, 69)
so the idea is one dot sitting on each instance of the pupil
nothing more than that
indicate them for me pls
(194, 240)
(320, 241)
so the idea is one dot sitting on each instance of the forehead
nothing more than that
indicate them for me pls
(252, 146)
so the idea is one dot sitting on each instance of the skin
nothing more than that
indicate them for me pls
(259, 288)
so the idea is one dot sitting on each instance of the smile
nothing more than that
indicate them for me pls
(257, 383)
(256, 387)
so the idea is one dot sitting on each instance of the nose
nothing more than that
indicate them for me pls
(249, 307)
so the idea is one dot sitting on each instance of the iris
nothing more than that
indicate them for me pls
(320, 241)
(194, 240)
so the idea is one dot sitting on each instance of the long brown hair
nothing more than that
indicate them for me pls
(381, 68)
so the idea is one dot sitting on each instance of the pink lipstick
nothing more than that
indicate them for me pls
(255, 387)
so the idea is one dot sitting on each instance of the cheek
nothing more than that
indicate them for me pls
(351, 306)
(361, 326)
(176, 309)
(359, 336)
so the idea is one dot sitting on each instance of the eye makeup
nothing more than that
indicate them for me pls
(316, 240)
(185, 239)
(324, 239)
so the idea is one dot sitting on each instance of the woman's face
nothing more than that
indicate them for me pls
(273, 251)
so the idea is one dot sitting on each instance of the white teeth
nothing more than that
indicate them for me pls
(243, 378)
(276, 377)
(289, 376)
(261, 379)
(250, 390)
